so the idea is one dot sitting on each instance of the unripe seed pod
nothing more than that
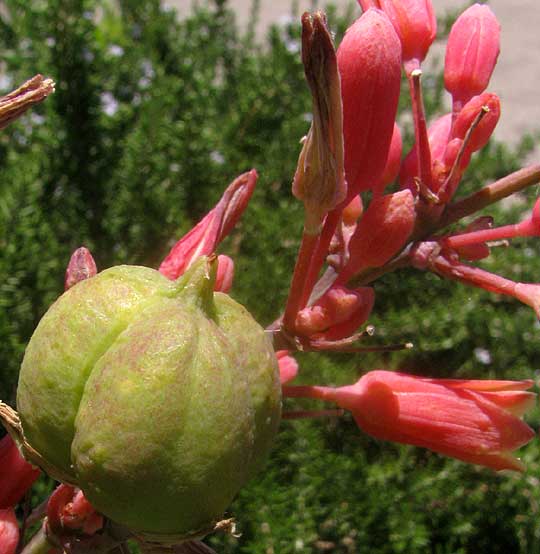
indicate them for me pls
(158, 398)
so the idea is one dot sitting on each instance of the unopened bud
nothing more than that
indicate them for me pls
(369, 60)
(488, 103)
(415, 25)
(381, 233)
(471, 53)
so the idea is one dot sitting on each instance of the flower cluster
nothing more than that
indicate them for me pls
(355, 231)
(366, 232)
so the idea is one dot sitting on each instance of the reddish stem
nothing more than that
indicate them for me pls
(310, 414)
(295, 301)
(311, 257)
(490, 194)
(473, 276)
(319, 256)
(307, 391)
(524, 229)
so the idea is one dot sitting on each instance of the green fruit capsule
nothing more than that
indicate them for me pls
(158, 398)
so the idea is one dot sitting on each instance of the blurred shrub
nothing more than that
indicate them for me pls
(152, 116)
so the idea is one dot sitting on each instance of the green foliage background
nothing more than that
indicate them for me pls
(152, 117)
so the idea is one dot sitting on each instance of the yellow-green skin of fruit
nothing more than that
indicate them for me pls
(160, 399)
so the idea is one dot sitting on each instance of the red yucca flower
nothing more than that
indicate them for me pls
(369, 61)
(475, 421)
(471, 53)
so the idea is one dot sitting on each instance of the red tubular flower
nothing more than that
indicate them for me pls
(471, 53)
(369, 61)
(416, 26)
(16, 475)
(480, 135)
(204, 238)
(474, 421)
(9, 531)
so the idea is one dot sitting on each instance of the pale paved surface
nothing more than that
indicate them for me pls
(516, 78)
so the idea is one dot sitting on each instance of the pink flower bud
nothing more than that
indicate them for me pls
(17, 475)
(204, 238)
(9, 531)
(415, 25)
(369, 61)
(393, 162)
(474, 421)
(471, 53)
(81, 266)
(337, 314)
(288, 366)
(479, 137)
(381, 233)
(225, 274)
